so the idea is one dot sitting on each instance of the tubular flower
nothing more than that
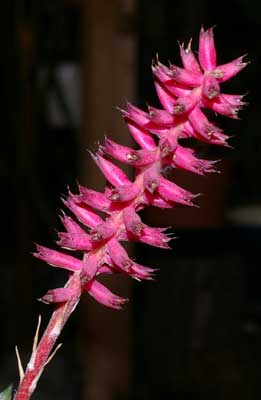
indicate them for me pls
(184, 92)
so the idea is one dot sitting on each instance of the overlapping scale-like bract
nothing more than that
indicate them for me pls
(183, 92)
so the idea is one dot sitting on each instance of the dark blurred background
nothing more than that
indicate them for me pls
(195, 331)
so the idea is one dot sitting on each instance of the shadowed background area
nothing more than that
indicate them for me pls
(196, 330)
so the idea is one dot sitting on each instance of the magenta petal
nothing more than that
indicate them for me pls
(172, 192)
(119, 255)
(160, 118)
(140, 135)
(90, 265)
(58, 259)
(76, 241)
(58, 295)
(210, 87)
(104, 296)
(102, 232)
(93, 198)
(141, 272)
(184, 158)
(207, 50)
(185, 77)
(137, 158)
(186, 103)
(223, 107)
(154, 237)
(158, 201)
(188, 59)
(151, 177)
(132, 221)
(83, 213)
(111, 172)
(70, 225)
(165, 96)
(123, 193)
(226, 71)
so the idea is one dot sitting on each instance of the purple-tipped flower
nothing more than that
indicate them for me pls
(183, 94)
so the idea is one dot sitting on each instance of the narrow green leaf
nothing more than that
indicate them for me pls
(7, 393)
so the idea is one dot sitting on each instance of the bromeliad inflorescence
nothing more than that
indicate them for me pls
(184, 93)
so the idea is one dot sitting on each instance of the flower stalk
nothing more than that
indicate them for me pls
(183, 93)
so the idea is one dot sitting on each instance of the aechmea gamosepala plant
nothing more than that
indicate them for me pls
(184, 93)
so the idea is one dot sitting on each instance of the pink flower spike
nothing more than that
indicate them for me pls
(103, 295)
(226, 71)
(89, 265)
(76, 241)
(109, 218)
(188, 58)
(58, 295)
(140, 135)
(151, 177)
(210, 87)
(93, 198)
(102, 232)
(172, 192)
(111, 172)
(123, 193)
(132, 221)
(58, 259)
(83, 213)
(207, 50)
(119, 255)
